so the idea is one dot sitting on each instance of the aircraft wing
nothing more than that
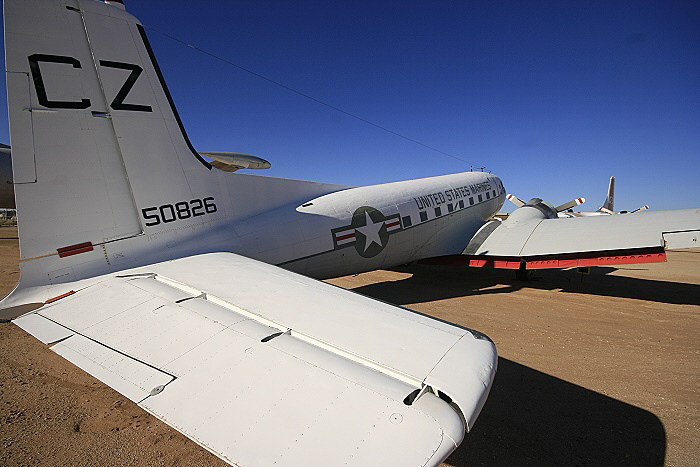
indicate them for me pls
(529, 237)
(260, 365)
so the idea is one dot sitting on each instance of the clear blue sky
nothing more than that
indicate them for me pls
(553, 97)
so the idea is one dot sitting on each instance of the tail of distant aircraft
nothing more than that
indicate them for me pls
(609, 204)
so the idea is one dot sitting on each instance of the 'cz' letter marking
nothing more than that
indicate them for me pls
(118, 102)
(39, 82)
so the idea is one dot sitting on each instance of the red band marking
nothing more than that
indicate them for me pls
(494, 263)
(75, 249)
(51, 300)
(462, 260)
(573, 261)
(600, 261)
(344, 237)
(393, 224)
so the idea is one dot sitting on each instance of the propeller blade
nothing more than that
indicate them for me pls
(570, 204)
(515, 200)
(643, 208)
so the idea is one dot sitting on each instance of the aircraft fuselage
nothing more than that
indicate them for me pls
(366, 228)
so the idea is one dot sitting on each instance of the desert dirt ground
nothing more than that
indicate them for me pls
(599, 369)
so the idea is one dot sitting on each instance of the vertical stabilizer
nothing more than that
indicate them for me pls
(609, 204)
(100, 155)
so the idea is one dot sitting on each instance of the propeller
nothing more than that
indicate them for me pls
(570, 204)
(562, 207)
(515, 200)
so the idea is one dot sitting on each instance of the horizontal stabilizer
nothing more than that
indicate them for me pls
(279, 367)
(232, 161)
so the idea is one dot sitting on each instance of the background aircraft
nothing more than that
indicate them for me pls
(565, 210)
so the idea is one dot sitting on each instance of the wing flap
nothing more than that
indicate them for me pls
(132, 378)
(43, 329)
(675, 240)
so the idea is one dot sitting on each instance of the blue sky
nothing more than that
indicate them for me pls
(553, 97)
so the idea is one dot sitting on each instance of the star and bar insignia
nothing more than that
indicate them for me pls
(369, 231)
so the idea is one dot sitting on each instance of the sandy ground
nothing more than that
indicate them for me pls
(599, 369)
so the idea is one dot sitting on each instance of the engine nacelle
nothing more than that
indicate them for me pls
(535, 209)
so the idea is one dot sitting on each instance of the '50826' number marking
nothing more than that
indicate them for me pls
(178, 211)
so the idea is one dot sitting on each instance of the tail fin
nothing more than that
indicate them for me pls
(101, 162)
(609, 204)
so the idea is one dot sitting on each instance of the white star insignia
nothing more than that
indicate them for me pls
(371, 231)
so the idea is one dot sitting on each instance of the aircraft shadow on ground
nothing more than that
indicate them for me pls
(532, 418)
(430, 283)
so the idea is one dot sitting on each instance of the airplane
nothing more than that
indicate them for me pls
(191, 290)
(566, 210)
(608, 206)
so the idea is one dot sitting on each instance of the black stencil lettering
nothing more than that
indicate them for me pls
(147, 216)
(209, 207)
(199, 205)
(39, 81)
(118, 102)
(183, 210)
(165, 218)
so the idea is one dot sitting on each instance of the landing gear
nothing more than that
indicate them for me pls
(522, 274)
